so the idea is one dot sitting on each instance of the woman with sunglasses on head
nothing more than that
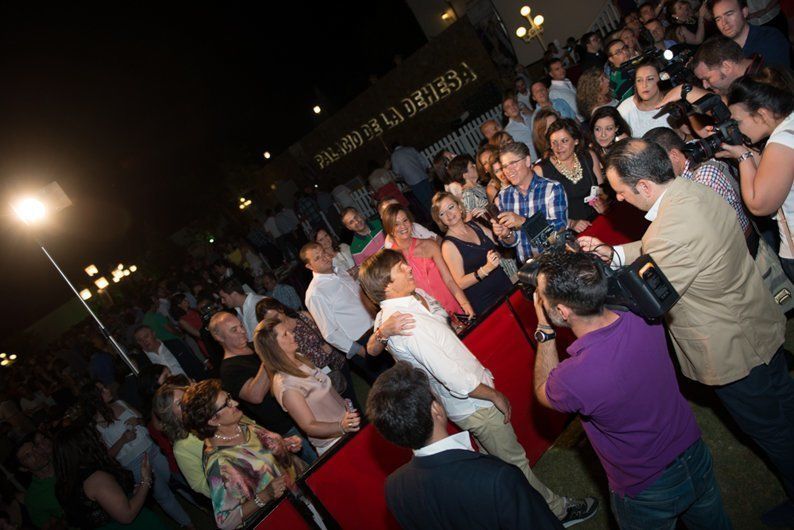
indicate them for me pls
(246, 465)
(303, 390)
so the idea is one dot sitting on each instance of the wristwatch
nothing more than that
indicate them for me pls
(544, 336)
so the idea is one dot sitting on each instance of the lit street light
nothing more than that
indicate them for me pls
(51, 199)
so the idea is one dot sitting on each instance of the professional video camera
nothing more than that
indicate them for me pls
(640, 287)
(672, 66)
(710, 110)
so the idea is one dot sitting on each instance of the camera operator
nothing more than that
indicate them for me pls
(527, 194)
(718, 62)
(764, 110)
(727, 330)
(712, 173)
(620, 379)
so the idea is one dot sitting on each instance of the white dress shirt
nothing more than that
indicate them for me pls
(564, 89)
(247, 314)
(619, 257)
(334, 300)
(460, 440)
(434, 348)
(164, 356)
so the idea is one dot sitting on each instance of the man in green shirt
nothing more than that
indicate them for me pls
(35, 457)
(368, 236)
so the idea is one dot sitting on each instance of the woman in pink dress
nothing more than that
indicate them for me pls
(424, 256)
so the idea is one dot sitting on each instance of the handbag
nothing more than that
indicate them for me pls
(771, 270)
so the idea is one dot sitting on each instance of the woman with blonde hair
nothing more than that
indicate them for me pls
(592, 92)
(469, 250)
(303, 391)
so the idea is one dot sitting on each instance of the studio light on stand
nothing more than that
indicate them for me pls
(32, 210)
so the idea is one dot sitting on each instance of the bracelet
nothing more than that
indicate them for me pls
(259, 502)
(745, 156)
(543, 326)
(477, 275)
(380, 338)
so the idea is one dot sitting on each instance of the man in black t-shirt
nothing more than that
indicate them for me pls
(245, 378)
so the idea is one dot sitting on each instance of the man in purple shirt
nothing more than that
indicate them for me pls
(620, 380)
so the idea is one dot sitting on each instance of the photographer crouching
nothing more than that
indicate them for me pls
(727, 330)
(619, 377)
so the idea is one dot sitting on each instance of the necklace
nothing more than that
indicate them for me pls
(573, 173)
(232, 437)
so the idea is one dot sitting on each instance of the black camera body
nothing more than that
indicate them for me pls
(726, 130)
(672, 66)
(640, 287)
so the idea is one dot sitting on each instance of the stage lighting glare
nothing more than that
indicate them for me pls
(85, 294)
(30, 210)
(101, 282)
(525, 11)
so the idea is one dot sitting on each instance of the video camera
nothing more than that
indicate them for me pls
(640, 287)
(672, 66)
(716, 114)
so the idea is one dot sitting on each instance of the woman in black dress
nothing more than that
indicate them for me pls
(577, 168)
(470, 254)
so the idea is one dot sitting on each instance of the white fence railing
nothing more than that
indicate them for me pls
(607, 20)
(466, 139)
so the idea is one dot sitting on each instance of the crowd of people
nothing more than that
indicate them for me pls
(247, 372)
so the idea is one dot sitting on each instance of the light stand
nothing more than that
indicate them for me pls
(105, 333)
(32, 210)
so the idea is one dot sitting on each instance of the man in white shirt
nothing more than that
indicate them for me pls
(156, 351)
(561, 87)
(234, 297)
(519, 125)
(462, 385)
(334, 301)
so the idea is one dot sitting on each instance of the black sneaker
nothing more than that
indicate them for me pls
(579, 510)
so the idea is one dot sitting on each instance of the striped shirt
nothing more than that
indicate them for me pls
(363, 247)
(543, 195)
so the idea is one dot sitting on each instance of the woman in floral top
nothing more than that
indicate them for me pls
(246, 465)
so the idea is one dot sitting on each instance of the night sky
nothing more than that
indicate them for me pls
(135, 110)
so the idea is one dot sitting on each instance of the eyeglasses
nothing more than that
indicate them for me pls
(619, 51)
(228, 403)
(511, 166)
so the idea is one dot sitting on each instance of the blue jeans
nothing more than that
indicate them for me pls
(686, 489)
(161, 477)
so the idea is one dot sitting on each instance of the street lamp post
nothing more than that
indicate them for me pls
(535, 27)
(31, 211)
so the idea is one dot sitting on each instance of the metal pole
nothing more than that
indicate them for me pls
(102, 328)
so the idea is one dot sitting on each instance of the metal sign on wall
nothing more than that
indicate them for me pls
(416, 103)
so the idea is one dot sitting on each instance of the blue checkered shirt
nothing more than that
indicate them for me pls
(542, 195)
